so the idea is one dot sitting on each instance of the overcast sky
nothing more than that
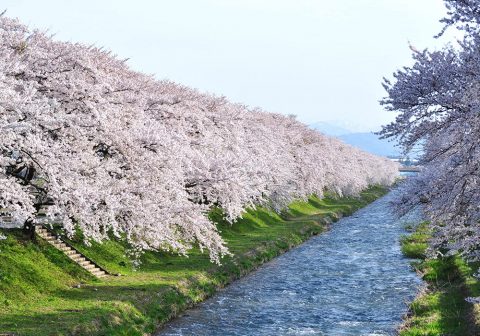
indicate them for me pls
(320, 60)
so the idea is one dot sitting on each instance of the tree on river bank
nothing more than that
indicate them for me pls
(118, 152)
(438, 100)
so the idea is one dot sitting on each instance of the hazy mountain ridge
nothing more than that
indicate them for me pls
(330, 129)
(368, 141)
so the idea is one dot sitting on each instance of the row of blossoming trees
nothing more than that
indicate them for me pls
(120, 152)
(438, 100)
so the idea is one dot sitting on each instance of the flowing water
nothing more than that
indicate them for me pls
(351, 280)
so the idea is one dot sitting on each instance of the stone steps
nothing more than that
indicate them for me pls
(70, 252)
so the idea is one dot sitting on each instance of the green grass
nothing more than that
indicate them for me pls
(39, 292)
(414, 245)
(441, 309)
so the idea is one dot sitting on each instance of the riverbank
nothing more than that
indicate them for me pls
(43, 293)
(440, 308)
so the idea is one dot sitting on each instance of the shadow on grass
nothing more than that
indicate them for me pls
(455, 312)
(87, 321)
(442, 310)
(134, 294)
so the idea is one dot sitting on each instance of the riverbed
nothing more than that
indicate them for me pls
(351, 280)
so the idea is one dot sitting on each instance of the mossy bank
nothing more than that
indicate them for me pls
(440, 307)
(43, 293)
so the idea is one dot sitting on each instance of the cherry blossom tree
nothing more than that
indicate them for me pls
(115, 151)
(438, 100)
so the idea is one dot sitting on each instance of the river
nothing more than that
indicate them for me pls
(351, 280)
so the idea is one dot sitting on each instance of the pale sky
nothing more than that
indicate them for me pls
(320, 60)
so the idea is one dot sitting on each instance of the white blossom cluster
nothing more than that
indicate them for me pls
(118, 151)
(438, 100)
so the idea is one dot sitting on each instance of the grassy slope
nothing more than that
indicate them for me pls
(441, 308)
(38, 294)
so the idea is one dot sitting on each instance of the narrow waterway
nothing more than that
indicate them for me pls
(352, 280)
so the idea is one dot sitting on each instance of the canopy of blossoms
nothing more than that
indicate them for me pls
(118, 152)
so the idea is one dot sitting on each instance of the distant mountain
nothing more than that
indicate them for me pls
(329, 129)
(364, 140)
(371, 143)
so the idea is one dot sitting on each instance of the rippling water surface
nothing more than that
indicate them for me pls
(351, 280)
